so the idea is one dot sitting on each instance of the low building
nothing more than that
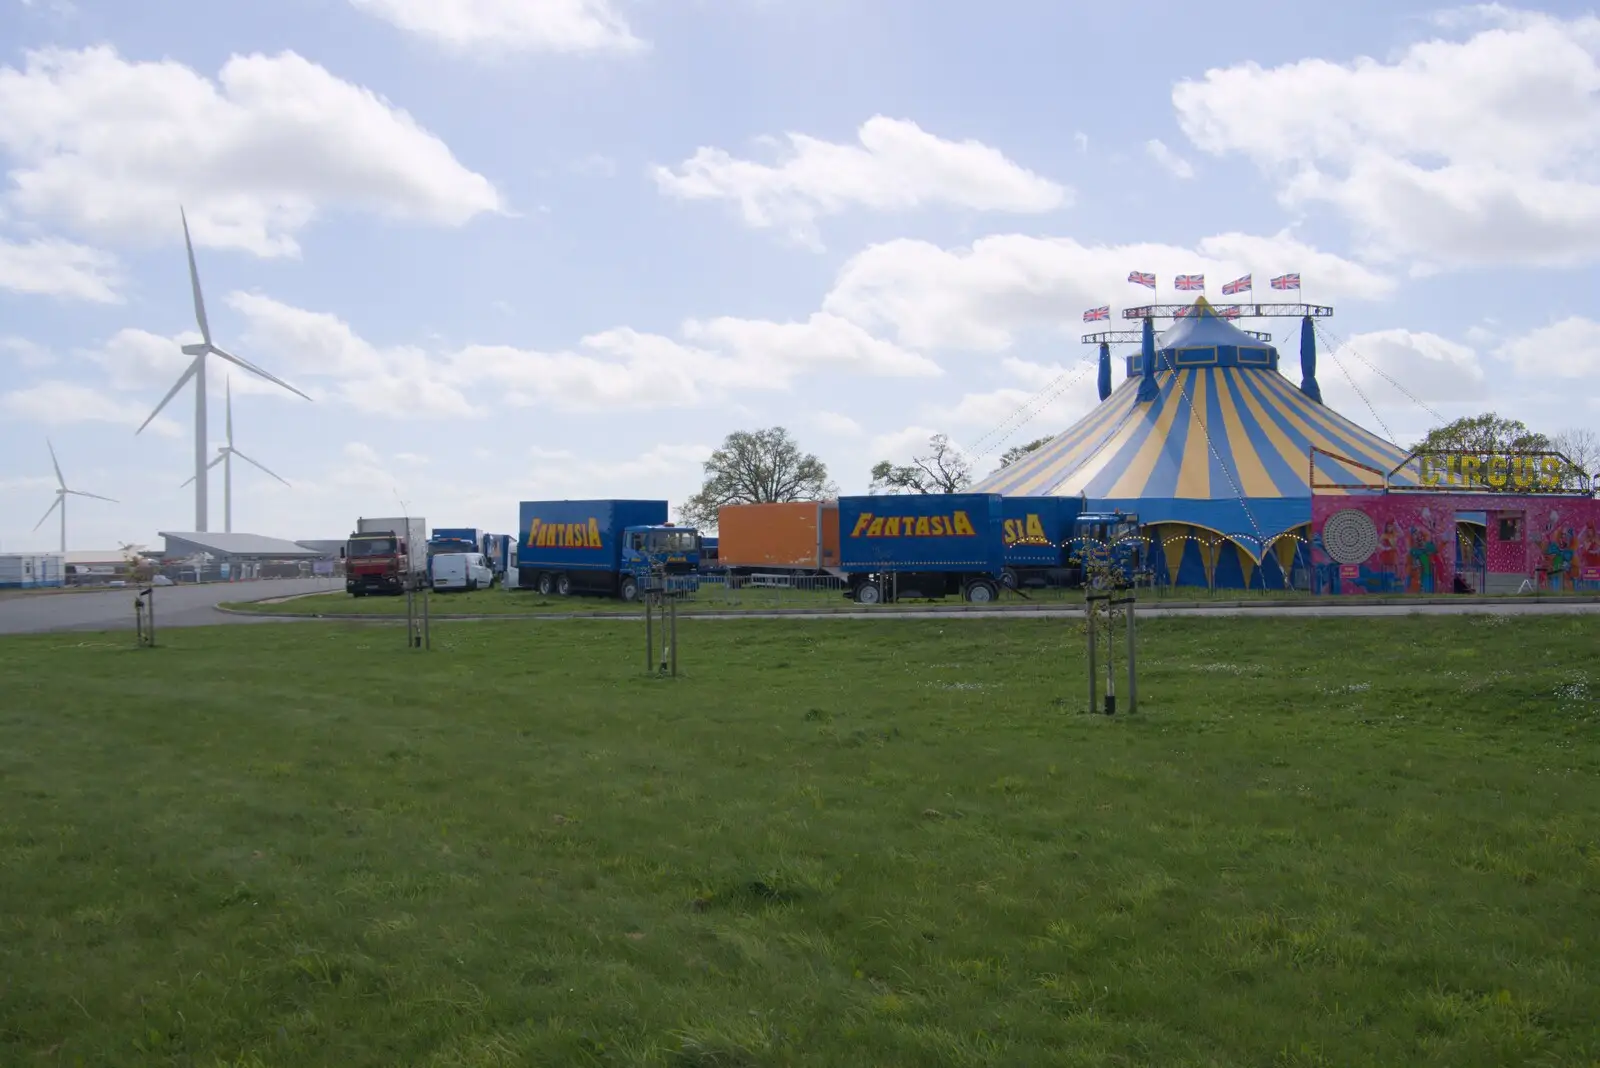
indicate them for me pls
(207, 557)
(27, 571)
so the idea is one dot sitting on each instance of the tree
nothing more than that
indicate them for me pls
(1017, 452)
(939, 469)
(1582, 447)
(1486, 433)
(757, 467)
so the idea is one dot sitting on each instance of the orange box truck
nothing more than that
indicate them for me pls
(802, 536)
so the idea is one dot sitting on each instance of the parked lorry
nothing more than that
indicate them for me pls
(922, 545)
(1037, 533)
(798, 538)
(603, 546)
(1109, 538)
(496, 548)
(383, 555)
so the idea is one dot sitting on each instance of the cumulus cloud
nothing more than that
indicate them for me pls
(1567, 349)
(1457, 152)
(896, 166)
(982, 296)
(55, 402)
(1168, 160)
(51, 267)
(494, 27)
(112, 146)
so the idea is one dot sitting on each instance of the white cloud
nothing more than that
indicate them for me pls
(27, 353)
(836, 424)
(497, 27)
(51, 267)
(900, 445)
(1168, 160)
(1465, 152)
(134, 360)
(1388, 364)
(113, 147)
(897, 166)
(1567, 349)
(980, 297)
(59, 403)
(400, 382)
(822, 342)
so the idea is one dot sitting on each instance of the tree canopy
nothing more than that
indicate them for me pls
(939, 468)
(757, 467)
(1017, 452)
(1486, 433)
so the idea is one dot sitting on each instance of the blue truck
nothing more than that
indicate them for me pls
(603, 546)
(496, 549)
(1109, 538)
(933, 545)
(1037, 533)
(447, 540)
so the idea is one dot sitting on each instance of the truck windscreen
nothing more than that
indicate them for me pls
(672, 542)
(372, 547)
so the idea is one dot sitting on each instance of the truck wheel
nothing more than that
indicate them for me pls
(981, 592)
(547, 584)
(869, 594)
(1008, 579)
(629, 590)
(472, 585)
(563, 585)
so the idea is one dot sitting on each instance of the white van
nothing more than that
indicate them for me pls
(462, 571)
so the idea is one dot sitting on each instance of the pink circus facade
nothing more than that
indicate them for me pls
(1398, 542)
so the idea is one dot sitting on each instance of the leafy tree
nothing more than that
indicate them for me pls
(757, 467)
(940, 468)
(1582, 447)
(1486, 433)
(1017, 452)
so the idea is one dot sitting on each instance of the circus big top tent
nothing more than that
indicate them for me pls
(1210, 445)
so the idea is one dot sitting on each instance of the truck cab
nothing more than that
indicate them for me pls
(462, 571)
(673, 550)
(374, 563)
(1108, 538)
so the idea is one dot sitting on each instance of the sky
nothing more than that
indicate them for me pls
(523, 249)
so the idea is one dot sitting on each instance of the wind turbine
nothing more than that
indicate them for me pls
(62, 493)
(197, 371)
(225, 457)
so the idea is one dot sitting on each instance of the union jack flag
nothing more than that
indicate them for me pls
(1286, 281)
(1231, 312)
(1095, 314)
(1190, 281)
(1183, 312)
(1238, 285)
(1142, 278)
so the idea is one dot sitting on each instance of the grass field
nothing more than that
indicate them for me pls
(829, 843)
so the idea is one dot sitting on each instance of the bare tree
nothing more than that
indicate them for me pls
(1582, 447)
(940, 468)
(757, 467)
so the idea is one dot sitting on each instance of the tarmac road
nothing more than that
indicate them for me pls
(176, 606)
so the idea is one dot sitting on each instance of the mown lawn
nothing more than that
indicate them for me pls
(1320, 842)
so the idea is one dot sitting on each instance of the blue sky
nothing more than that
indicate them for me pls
(523, 248)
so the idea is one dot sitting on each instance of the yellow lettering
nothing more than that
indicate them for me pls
(1552, 473)
(1522, 472)
(923, 527)
(1430, 470)
(1035, 529)
(1009, 532)
(533, 531)
(936, 526)
(861, 524)
(1497, 471)
(594, 533)
(875, 528)
(963, 526)
(891, 527)
(1469, 470)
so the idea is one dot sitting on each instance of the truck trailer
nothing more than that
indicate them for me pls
(603, 546)
(383, 556)
(922, 545)
(801, 537)
(1038, 533)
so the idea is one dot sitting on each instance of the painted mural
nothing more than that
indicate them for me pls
(1424, 543)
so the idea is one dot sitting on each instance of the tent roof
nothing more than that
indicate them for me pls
(236, 545)
(1204, 328)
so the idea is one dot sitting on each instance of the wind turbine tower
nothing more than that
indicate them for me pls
(197, 371)
(62, 493)
(225, 457)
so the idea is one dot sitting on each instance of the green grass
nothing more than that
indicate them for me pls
(829, 843)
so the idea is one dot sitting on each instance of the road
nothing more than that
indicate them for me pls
(176, 606)
(194, 606)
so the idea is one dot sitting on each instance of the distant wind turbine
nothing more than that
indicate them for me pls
(62, 493)
(197, 371)
(225, 457)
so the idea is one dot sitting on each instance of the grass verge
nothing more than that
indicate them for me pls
(1320, 842)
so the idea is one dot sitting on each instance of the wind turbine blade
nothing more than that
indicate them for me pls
(253, 369)
(47, 512)
(186, 481)
(194, 280)
(55, 464)
(247, 460)
(173, 392)
(222, 454)
(228, 386)
(96, 496)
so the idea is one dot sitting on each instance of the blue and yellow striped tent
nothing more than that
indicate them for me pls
(1208, 440)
